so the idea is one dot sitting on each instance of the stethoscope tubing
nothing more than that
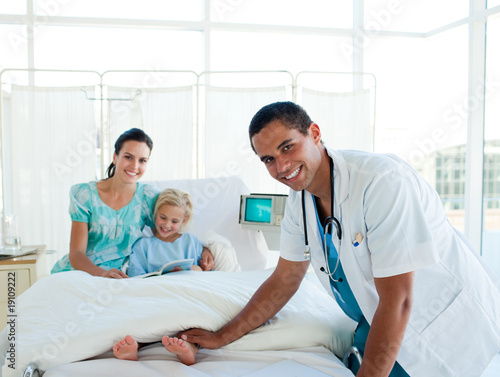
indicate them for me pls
(330, 220)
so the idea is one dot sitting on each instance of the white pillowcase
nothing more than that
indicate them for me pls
(223, 252)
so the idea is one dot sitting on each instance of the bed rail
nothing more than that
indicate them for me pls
(31, 371)
(352, 351)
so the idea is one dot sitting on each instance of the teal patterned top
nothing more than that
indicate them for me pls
(111, 233)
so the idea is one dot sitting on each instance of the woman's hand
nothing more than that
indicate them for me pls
(78, 257)
(207, 260)
(114, 274)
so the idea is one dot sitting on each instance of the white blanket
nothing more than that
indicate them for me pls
(72, 316)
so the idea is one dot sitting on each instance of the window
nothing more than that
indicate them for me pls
(101, 49)
(427, 122)
(493, 3)
(173, 10)
(14, 46)
(13, 7)
(413, 16)
(491, 184)
(418, 52)
(421, 94)
(260, 51)
(313, 13)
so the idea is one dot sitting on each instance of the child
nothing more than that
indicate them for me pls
(173, 211)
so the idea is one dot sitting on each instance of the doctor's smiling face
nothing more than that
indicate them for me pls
(290, 156)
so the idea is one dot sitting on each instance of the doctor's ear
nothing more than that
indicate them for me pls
(315, 132)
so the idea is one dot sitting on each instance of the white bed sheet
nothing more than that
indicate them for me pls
(73, 316)
(155, 361)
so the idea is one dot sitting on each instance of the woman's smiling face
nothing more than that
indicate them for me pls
(131, 161)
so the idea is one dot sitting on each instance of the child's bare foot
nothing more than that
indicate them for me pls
(185, 351)
(126, 349)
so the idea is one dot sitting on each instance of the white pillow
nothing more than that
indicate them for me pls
(223, 252)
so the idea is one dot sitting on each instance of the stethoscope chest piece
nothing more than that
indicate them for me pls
(307, 253)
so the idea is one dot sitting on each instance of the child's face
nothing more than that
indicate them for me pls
(169, 220)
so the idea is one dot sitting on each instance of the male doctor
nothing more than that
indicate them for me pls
(379, 240)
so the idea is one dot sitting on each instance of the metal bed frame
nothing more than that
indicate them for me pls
(32, 369)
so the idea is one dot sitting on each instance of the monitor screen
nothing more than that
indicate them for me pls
(258, 210)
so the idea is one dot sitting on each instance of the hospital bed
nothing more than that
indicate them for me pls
(67, 323)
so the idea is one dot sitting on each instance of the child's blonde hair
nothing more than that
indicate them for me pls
(177, 198)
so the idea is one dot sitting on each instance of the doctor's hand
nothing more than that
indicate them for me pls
(207, 260)
(204, 338)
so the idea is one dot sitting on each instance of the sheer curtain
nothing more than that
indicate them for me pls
(227, 150)
(55, 137)
(344, 118)
(50, 136)
(167, 116)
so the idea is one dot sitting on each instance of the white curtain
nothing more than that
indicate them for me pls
(344, 118)
(50, 139)
(227, 149)
(167, 116)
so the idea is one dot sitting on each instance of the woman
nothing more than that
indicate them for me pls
(108, 216)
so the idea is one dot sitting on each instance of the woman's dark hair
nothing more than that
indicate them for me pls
(134, 134)
(292, 115)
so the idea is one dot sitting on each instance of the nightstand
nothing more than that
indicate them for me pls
(26, 269)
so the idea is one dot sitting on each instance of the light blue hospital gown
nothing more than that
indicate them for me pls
(149, 254)
(111, 233)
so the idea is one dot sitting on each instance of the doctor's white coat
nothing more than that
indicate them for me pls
(454, 328)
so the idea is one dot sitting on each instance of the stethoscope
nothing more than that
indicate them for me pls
(329, 222)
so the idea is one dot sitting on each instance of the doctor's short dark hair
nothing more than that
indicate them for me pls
(292, 115)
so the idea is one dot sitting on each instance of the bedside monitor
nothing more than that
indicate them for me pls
(262, 211)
